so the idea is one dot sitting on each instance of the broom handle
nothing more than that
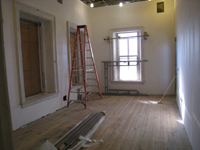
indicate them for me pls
(168, 86)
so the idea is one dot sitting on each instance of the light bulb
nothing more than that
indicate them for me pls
(91, 5)
(120, 4)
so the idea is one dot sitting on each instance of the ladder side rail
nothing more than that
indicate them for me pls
(72, 70)
(81, 52)
(85, 81)
(90, 47)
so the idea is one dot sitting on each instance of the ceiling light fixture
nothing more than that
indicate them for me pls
(120, 4)
(91, 5)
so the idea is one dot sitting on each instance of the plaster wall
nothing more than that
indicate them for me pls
(188, 64)
(71, 10)
(158, 49)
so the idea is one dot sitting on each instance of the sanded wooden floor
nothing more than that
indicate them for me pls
(132, 123)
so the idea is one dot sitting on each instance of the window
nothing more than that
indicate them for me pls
(127, 47)
(30, 57)
(36, 55)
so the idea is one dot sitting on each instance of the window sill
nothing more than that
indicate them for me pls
(38, 98)
(132, 82)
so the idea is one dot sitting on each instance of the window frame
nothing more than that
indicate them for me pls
(114, 53)
(128, 55)
(47, 44)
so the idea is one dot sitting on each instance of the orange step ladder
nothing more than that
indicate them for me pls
(82, 55)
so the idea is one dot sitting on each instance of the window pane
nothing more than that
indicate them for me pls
(123, 50)
(133, 46)
(128, 73)
(127, 34)
(133, 59)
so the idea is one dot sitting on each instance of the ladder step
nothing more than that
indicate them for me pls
(78, 70)
(77, 75)
(83, 58)
(78, 66)
(83, 69)
(90, 65)
(91, 72)
(82, 42)
(91, 79)
(82, 50)
(75, 84)
(76, 87)
(93, 85)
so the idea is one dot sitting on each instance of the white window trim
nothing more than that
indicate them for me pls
(71, 27)
(51, 82)
(113, 47)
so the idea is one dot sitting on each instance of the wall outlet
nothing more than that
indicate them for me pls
(65, 98)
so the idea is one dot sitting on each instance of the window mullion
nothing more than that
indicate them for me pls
(128, 47)
(118, 58)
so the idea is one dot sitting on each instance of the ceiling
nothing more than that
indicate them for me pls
(102, 3)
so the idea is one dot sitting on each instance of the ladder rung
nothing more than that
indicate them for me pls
(83, 58)
(91, 72)
(76, 84)
(91, 79)
(78, 50)
(76, 87)
(90, 65)
(82, 42)
(82, 50)
(83, 69)
(78, 66)
(78, 70)
(93, 85)
(76, 75)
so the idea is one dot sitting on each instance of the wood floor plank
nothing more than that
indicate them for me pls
(127, 119)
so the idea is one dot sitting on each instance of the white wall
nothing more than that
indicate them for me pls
(158, 49)
(71, 10)
(188, 48)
